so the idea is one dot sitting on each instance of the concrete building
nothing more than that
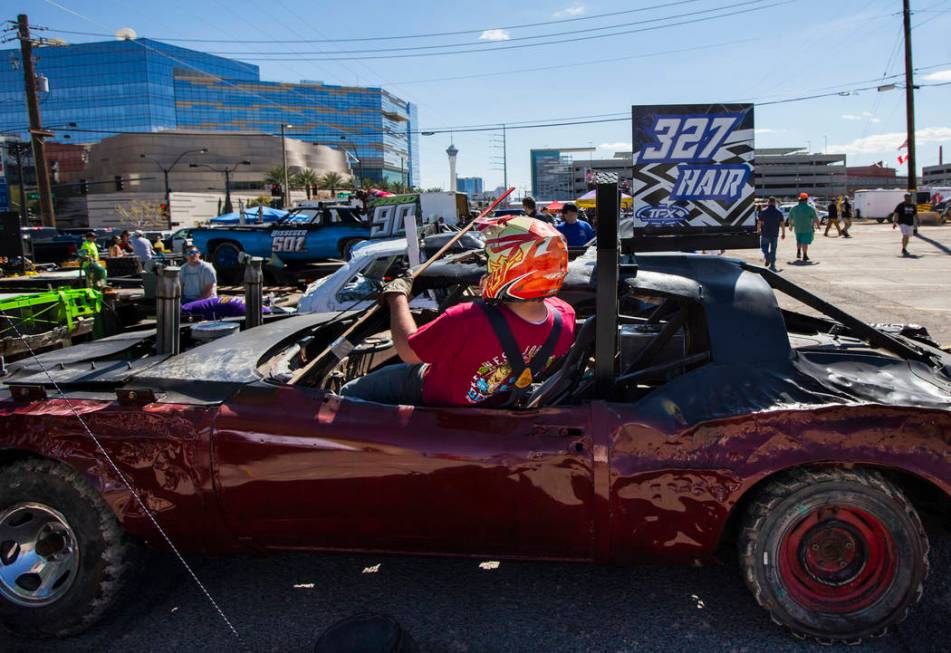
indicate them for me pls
(583, 171)
(552, 171)
(785, 172)
(142, 85)
(936, 175)
(469, 185)
(122, 156)
(877, 175)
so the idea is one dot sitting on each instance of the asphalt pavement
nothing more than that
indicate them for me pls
(867, 276)
(280, 603)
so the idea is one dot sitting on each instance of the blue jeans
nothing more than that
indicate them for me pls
(399, 384)
(768, 245)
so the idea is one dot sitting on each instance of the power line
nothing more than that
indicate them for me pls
(412, 36)
(580, 120)
(562, 41)
(535, 45)
(489, 45)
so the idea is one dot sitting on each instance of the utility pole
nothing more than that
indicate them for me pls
(910, 100)
(48, 217)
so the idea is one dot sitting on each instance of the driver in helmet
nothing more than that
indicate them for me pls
(463, 357)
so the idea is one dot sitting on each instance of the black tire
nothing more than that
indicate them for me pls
(346, 247)
(833, 554)
(105, 554)
(225, 259)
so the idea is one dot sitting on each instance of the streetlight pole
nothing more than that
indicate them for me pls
(17, 149)
(285, 191)
(227, 208)
(165, 173)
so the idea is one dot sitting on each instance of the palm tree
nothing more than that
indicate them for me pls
(331, 181)
(308, 179)
(275, 175)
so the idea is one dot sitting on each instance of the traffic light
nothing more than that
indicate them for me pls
(119, 183)
(163, 209)
(83, 187)
(275, 190)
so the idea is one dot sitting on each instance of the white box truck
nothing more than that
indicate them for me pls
(877, 204)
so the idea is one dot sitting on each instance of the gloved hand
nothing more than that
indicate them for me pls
(401, 285)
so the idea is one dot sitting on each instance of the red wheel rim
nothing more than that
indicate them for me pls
(837, 559)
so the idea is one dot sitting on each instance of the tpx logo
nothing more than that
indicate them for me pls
(662, 214)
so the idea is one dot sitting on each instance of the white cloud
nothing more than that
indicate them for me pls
(574, 10)
(865, 115)
(616, 147)
(494, 35)
(939, 76)
(764, 130)
(889, 143)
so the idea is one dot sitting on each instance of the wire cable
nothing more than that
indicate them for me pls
(122, 477)
(535, 45)
(488, 45)
(411, 36)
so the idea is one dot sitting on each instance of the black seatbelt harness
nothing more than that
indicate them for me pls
(524, 374)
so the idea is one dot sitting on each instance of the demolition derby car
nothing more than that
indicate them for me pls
(691, 414)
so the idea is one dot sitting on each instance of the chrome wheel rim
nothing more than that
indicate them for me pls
(39, 555)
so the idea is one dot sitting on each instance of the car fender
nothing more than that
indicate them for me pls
(673, 494)
(162, 450)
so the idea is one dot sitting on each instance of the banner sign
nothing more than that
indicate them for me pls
(693, 166)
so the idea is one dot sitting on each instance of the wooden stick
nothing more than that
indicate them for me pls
(341, 344)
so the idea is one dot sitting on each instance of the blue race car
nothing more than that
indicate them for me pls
(305, 236)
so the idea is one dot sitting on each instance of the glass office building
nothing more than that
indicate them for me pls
(147, 86)
(469, 185)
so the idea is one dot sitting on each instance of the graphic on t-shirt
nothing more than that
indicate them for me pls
(495, 375)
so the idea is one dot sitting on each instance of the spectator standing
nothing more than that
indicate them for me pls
(905, 216)
(769, 222)
(531, 210)
(833, 218)
(805, 221)
(846, 216)
(199, 280)
(576, 232)
(142, 247)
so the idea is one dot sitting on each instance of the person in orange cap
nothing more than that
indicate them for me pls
(804, 221)
(484, 353)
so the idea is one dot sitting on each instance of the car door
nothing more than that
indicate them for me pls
(300, 468)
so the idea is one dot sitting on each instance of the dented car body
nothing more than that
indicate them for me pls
(712, 407)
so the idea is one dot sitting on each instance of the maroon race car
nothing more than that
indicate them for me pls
(691, 413)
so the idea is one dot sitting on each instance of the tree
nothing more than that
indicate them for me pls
(306, 178)
(141, 215)
(435, 189)
(260, 199)
(331, 181)
(275, 175)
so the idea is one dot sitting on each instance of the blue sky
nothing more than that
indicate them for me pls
(770, 50)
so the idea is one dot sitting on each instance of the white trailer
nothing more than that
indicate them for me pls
(878, 203)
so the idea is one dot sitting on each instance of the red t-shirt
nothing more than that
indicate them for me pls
(465, 362)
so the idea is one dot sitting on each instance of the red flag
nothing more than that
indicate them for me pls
(902, 159)
(903, 145)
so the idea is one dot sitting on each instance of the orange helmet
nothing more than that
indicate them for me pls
(528, 259)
